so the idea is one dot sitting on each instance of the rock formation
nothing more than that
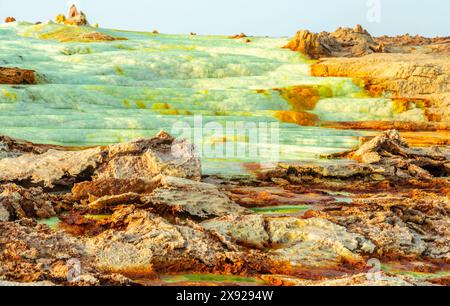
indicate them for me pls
(9, 19)
(344, 42)
(347, 42)
(16, 76)
(141, 159)
(76, 17)
(416, 68)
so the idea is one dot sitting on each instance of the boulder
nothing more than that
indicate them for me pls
(10, 19)
(17, 76)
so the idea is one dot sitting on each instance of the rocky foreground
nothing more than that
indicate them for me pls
(132, 213)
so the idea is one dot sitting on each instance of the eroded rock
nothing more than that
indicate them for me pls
(343, 42)
(19, 203)
(17, 76)
(10, 19)
(149, 242)
(391, 152)
(140, 159)
(364, 279)
(179, 197)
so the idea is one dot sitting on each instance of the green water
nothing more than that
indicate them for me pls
(109, 92)
(52, 223)
(286, 209)
(209, 278)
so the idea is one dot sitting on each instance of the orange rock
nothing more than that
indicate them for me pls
(238, 36)
(16, 76)
(9, 19)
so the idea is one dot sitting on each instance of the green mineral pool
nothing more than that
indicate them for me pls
(210, 278)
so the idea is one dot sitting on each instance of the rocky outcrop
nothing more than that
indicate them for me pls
(74, 17)
(393, 154)
(148, 243)
(385, 157)
(347, 42)
(344, 42)
(10, 19)
(140, 159)
(422, 79)
(178, 197)
(30, 253)
(312, 243)
(17, 76)
(18, 203)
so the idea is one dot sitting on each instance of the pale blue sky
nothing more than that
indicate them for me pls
(253, 17)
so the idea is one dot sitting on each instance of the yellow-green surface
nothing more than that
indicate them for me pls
(103, 92)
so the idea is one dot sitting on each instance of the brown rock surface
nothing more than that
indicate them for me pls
(16, 76)
(9, 19)
(344, 42)
(22, 203)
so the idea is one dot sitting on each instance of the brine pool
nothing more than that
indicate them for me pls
(100, 93)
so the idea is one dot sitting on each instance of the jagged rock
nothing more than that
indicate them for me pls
(303, 243)
(385, 157)
(365, 279)
(357, 42)
(76, 17)
(17, 76)
(10, 19)
(179, 196)
(140, 159)
(10, 147)
(113, 187)
(50, 168)
(33, 254)
(147, 158)
(18, 203)
(391, 152)
(413, 225)
(150, 242)
(343, 42)
(248, 230)
(301, 173)
(316, 242)
(312, 44)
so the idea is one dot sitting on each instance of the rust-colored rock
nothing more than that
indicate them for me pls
(10, 19)
(18, 203)
(347, 42)
(17, 76)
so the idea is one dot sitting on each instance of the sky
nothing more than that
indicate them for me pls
(253, 17)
